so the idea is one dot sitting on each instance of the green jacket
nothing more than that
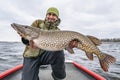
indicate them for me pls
(30, 52)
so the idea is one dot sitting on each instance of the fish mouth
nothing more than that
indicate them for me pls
(16, 27)
(13, 25)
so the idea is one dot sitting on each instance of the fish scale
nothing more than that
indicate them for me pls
(58, 37)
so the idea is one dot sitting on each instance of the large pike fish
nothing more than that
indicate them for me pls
(59, 40)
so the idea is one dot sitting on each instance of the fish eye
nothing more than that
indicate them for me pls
(25, 26)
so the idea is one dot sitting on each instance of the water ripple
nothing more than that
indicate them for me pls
(11, 55)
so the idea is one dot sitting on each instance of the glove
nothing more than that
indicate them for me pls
(25, 41)
(28, 43)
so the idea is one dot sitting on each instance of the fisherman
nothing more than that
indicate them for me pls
(35, 57)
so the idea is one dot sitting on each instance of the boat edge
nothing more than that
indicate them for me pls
(95, 75)
(18, 67)
(10, 71)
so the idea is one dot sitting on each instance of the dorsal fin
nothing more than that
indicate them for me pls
(95, 40)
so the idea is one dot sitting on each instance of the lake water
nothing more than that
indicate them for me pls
(11, 55)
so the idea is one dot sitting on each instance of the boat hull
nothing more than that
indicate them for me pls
(74, 71)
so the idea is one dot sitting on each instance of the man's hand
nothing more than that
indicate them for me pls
(31, 44)
(73, 44)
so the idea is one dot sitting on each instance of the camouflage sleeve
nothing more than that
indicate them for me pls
(57, 28)
(58, 21)
(36, 23)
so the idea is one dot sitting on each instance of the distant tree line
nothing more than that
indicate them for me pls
(111, 40)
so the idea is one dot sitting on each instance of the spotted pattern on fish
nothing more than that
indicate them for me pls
(59, 40)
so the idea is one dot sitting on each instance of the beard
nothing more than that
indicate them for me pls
(49, 23)
(50, 20)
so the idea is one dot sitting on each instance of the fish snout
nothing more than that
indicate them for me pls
(14, 26)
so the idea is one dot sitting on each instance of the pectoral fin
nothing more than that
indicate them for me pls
(73, 43)
(70, 50)
(89, 55)
(95, 40)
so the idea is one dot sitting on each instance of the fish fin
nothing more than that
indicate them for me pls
(89, 55)
(73, 43)
(105, 60)
(70, 50)
(95, 40)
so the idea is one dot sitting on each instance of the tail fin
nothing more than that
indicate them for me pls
(105, 60)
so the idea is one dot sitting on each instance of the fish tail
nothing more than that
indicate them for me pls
(105, 60)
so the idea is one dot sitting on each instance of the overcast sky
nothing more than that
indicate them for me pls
(100, 18)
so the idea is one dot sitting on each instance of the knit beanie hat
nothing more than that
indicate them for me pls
(53, 10)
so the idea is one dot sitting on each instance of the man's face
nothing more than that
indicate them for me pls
(51, 17)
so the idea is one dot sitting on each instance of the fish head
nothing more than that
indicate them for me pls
(26, 31)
